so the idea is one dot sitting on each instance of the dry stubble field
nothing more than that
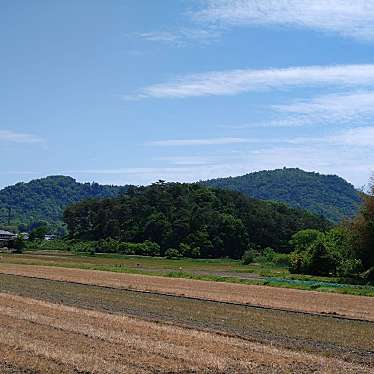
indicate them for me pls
(50, 338)
(50, 326)
(358, 307)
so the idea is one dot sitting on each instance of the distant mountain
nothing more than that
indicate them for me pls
(45, 199)
(326, 195)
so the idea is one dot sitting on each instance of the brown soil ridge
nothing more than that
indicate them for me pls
(355, 307)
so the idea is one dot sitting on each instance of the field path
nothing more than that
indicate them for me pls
(356, 307)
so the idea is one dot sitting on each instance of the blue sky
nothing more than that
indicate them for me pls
(139, 90)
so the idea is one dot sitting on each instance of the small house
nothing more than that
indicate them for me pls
(6, 236)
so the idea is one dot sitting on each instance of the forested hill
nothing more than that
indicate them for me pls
(45, 199)
(210, 222)
(327, 195)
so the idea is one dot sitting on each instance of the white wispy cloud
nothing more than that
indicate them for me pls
(359, 136)
(17, 137)
(198, 142)
(322, 156)
(182, 36)
(334, 107)
(350, 18)
(350, 108)
(231, 82)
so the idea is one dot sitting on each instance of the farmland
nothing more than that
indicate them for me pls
(56, 338)
(221, 270)
(294, 300)
(56, 319)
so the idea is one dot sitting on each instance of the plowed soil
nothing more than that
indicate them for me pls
(358, 307)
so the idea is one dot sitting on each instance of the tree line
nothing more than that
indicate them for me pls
(189, 220)
(346, 250)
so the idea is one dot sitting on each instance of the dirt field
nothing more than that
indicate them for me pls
(359, 307)
(326, 335)
(37, 336)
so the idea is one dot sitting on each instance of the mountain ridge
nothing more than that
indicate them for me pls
(46, 198)
(328, 195)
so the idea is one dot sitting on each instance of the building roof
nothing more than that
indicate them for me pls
(2, 232)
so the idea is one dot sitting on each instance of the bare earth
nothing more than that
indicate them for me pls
(359, 307)
(37, 336)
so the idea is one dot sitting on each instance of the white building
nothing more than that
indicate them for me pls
(5, 236)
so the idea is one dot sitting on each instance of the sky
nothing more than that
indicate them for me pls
(134, 91)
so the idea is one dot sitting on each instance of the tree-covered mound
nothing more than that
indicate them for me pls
(202, 222)
(326, 195)
(45, 199)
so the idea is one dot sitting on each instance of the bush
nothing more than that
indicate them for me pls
(349, 268)
(268, 254)
(248, 257)
(319, 260)
(187, 250)
(172, 253)
(38, 233)
(302, 240)
(316, 260)
(151, 248)
(281, 259)
(296, 262)
(18, 244)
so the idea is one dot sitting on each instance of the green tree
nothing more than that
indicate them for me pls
(363, 229)
(304, 238)
(319, 260)
(39, 233)
(18, 244)
(172, 253)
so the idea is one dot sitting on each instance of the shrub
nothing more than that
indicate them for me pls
(18, 244)
(248, 257)
(281, 259)
(304, 238)
(319, 260)
(268, 254)
(349, 268)
(151, 248)
(187, 250)
(172, 253)
(297, 262)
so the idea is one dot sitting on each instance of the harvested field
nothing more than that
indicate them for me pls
(358, 307)
(37, 336)
(329, 336)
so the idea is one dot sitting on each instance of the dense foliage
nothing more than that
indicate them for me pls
(346, 250)
(193, 220)
(45, 199)
(362, 228)
(326, 195)
(330, 253)
(147, 248)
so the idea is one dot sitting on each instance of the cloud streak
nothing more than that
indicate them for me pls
(344, 17)
(234, 82)
(182, 36)
(16, 137)
(353, 108)
(197, 142)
